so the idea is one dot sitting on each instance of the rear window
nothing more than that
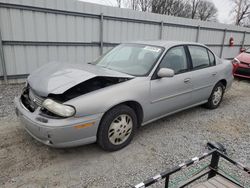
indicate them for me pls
(211, 58)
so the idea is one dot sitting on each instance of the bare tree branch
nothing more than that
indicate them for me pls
(195, 9)
(206, 11)
(241, 10)
(194, 6)
(145, 5)
(119, 3)
(133, 4)
(171, 7)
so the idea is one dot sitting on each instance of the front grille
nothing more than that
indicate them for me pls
(243, 71)
(35, 98)
(30, 99)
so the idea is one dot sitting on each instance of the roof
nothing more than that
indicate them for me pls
(166, 43)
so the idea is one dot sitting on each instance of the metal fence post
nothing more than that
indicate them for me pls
(198, 33)
(2, 60)
(243, 40)
(223, 41)
(101, 34)
(161, 30)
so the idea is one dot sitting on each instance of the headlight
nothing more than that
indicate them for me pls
(235, 61)
(59, 109)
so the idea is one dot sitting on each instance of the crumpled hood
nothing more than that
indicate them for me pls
(244, 57)
(56, 78)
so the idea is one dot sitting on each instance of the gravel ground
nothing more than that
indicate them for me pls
(26, 163)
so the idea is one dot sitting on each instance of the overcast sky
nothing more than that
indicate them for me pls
(224, 8)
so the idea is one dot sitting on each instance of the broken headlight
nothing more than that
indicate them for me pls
(58, 108)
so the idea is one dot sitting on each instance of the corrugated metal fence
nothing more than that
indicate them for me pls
(34, 32)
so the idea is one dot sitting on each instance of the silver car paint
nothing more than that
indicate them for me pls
(58, 132)
(57, 77)
(157, 98)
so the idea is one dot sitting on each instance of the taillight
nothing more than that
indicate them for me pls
(235, 63)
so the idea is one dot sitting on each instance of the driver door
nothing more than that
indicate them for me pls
(170, 94)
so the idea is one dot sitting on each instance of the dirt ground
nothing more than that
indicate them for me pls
(24, 162)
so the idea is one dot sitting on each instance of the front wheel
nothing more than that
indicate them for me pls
(117, 128)
(216, 96)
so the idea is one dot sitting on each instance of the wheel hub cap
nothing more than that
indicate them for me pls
(217, 95)
(120, 129)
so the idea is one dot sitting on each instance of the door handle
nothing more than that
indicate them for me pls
(187, 80)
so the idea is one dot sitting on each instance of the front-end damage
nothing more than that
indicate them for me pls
(88, 86)
(58, 132)
(31, 100)
(55, 130)
(45, 103)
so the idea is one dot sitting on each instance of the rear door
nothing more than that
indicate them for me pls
(204, 74)
(173, 93)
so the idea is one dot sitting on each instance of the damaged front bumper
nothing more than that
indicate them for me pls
(67, 132)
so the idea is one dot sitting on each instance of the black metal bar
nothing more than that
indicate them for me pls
(214, 164)
(239, 165)
(168, 172)
(213, 171)
(166, 181)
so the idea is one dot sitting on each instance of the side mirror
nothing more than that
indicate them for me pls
(165, 72)
(242, 50)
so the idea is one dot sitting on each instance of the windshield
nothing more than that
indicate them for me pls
(133, 59)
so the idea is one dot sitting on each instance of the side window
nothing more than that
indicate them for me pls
(211, 57)
(199, 56)
(175, 59)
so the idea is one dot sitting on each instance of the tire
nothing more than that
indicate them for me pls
(117, 128)
(216, 97)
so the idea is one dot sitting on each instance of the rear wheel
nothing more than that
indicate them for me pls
(117, 128)
(216, 96)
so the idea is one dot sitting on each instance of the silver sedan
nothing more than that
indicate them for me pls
(65, 105)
